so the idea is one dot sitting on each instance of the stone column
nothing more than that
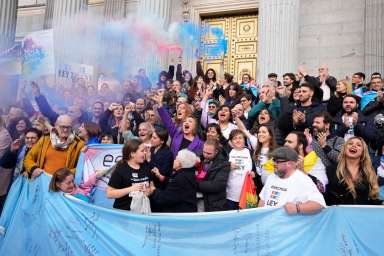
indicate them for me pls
(160, 10)
(64, 13)
(48, 15)
(64, 9)
(114, 9)
(8, 14)
(112, 48)
(374, 37)
(278, 37)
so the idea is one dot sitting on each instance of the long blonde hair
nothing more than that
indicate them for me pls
(365, 167)
(348, 87)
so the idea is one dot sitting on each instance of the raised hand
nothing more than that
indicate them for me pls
(16, 145)
(37, 172)
(113, 106)
(222, 99)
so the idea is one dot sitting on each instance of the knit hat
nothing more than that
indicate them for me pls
(212, 101)
(187, 158)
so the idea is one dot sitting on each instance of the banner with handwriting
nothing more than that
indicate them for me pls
(38, 222)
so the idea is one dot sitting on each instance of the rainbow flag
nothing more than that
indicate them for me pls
(248, 196)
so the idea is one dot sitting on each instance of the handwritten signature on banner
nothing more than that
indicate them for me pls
(152, 237)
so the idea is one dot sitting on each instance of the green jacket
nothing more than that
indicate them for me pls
(274, 108)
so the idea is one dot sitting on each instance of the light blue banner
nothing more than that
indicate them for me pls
(37, 222)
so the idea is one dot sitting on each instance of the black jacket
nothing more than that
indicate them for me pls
(331, 82)
(364, 127)
(373, 108)
(214, 184)
(286, 125)
(337, 192)
(163, 160)
(9, 159)
(180, 194)
(334, 105)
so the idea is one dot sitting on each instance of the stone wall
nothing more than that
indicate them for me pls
(28, 20)
(332, 32)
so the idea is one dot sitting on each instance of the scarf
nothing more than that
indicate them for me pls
(57, 144)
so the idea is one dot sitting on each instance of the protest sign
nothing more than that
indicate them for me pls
(38, 54)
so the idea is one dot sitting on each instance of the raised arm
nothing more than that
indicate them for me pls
(43, 104)
(205, 119)
(164, 115)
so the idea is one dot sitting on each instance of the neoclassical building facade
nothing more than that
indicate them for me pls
(263, 35)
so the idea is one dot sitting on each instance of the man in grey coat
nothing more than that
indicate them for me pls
(326, 145)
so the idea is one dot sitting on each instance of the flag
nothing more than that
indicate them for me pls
(248, 197)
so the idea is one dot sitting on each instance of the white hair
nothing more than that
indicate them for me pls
(187, 158)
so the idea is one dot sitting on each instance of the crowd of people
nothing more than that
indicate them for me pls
(190, 140)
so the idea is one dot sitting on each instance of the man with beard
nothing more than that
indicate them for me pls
(326, 145)
(308, 162)
(290, 187)
(284, 90)
(302, 114)
(350, 122)
(213, 176)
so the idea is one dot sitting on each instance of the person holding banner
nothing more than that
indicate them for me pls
(290, 187)
(60, 148)
(131, 174)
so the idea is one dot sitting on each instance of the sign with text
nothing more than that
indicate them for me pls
(74, 71)
(98, 157)
(38, 54)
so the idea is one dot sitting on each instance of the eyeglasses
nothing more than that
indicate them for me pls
(279, 161)
(63, 127)
(212, 106)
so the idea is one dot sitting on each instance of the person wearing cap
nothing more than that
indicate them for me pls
(290, 187)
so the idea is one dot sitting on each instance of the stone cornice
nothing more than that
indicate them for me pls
(30, 11)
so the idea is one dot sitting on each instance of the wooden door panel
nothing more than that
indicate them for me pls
(241, 33)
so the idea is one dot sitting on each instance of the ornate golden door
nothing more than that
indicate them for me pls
(241, 54)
